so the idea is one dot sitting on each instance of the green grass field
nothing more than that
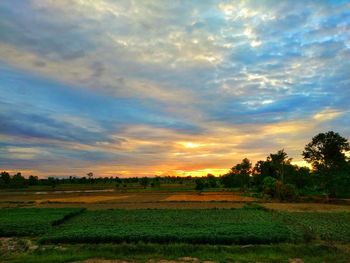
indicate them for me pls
(222, 235)
(158, 253)
(325, 226)
(32, 221)
(194, 226)
(236, 226)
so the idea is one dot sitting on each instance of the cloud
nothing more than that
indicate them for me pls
(123, 87)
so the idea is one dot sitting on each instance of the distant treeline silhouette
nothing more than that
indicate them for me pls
(275, 177)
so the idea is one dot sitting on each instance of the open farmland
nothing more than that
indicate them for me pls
(248, 225)
(240, 226)
(325, 226)
(31, 221)
(65, 235)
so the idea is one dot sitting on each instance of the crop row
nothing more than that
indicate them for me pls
(242, 226)
(325, 226)
(214, 226)
(32, 221)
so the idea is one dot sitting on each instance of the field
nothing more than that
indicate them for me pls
(31, 221)
(325, 226)
(248, 225)
(168, 226)
(238, 226)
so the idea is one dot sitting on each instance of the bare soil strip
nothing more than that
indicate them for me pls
(82, 199)
(206, 197)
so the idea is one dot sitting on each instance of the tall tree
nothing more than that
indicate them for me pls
(243, 170)
(326, 153)
(279, 160)
(326, 150)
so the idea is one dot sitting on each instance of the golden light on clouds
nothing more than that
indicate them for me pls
(327, 114)
(144, 88)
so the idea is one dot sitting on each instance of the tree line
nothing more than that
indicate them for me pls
(275, 176)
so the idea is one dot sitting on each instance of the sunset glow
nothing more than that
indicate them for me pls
(145, 88)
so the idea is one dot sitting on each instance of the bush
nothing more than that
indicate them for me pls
(269, 186)
(199, 184)
(285, 192)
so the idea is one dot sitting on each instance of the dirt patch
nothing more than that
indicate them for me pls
(207, 197)
(10, 245)
(82, 199)
(307, 207)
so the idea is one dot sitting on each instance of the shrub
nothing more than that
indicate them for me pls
(285, 192)
(269, 186)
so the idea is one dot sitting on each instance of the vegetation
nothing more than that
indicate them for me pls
(325, 226)
(276, 177)
(250, 225)
(140, 235)
(32, 221)
(240, 226)
(142, 252)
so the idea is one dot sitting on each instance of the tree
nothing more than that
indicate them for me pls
(33, 180)
(243, 170)
(211, 181)
(239, 175)
(278, 161)
(5, 179)
(144, 181)
(51, 181)
(90, 175)
(326, 151)
(199, 184)
(18, 180)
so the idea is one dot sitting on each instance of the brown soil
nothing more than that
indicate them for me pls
(14, 245)
(82, 199)
(207, 197)
(307, 207)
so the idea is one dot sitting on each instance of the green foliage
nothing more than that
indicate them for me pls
(339, 182)
(230, 180)
(277, 189)
(325, 226)
(144, 182)
(326, 150)
(141, 252)
(211, 181)
(286, 192)
(240, 226)
(199, 184)
(269, 186)
(32, 221)
(251, 225)
(277, 166)
(239, 176)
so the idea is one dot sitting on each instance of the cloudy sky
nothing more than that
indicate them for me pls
(134, 88)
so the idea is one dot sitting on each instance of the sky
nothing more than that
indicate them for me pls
(144, 88)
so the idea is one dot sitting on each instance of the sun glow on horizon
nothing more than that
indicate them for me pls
(119, 95)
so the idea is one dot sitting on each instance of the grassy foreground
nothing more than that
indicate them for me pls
(32, 221)
(313, 253)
